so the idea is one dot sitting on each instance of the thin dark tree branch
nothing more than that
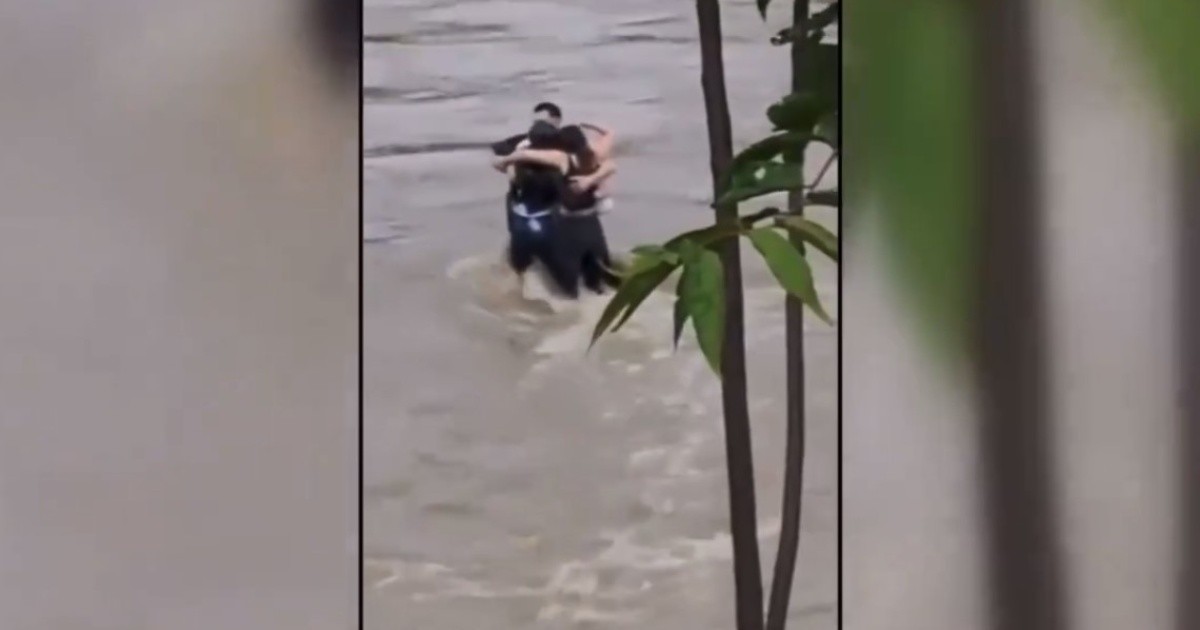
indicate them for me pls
(1187, 277)
(793, 474)
(825, 168)
(738, 452)
(1023, 554)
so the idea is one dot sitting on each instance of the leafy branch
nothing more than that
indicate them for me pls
(699, 291)
(771, 165)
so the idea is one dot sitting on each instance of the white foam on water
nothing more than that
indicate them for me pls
(644, 457)
(562, 327)
(496, 290)
(589, 589)
(596, 588)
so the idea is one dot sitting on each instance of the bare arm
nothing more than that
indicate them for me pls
(545, 157)
(606, 170)
(604, 131)
(602, 142)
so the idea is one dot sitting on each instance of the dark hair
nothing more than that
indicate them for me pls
(575, 141)
(550, 108)
(543, 135)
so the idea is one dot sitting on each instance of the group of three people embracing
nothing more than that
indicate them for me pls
(557, 190)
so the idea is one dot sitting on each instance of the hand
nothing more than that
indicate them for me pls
(581, 183)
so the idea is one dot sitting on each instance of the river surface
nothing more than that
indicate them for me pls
(513, 480)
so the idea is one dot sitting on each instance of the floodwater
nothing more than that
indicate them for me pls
(512, 479)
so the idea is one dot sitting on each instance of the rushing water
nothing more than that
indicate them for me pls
(513, 480)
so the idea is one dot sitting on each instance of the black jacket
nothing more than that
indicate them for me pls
(508, 145)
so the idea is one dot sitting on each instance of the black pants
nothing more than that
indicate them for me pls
(571, 248)
(547, 246)
(589, 255)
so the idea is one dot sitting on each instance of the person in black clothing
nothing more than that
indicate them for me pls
(600, 143)
(545, 112)
(581, 249)
(533, 206)
(581, 223)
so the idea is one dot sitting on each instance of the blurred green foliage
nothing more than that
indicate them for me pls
(1166, 37)
(909, 132)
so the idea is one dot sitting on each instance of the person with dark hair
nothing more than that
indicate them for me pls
(599, 139)
(533, 205)
(582, 207)
(549, 112)
(579, 231)
(582, 153)
(544, 111)
(593, 164)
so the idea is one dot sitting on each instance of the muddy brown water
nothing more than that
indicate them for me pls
(513, 480)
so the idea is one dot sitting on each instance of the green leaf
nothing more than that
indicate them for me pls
(828, 130)
(783, 37)
(820, 96)
(911, 86)
(767, 178)
(762, 7)
(680, 314)
(642, 264)
(646, 257)
(749, 220)
(1165, 34)
(822, 19)
(620, 300)
(640, 287)
(657, 252)
(689, 249)
(702, 291)
(789, 267)
(800, 111)
(817, 23)
(812, 233)
(648, 250)
(703, 237)
(633, 291)
(788, 144)
(773, 146)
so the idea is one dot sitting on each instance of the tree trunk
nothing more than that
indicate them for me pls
(1023, 553)
(1188, 252)
(738, 453)
(793, 473)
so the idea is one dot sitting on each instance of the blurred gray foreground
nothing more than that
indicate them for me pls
(178, 257)
(911, 537)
